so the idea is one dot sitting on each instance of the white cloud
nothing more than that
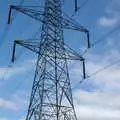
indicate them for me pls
(106, 79)
(21, 99)
(18, 101)
(97, 105)
(107, 22)
(93, 105)
(91, 113)
(113, 11)
(103, 77)
(102, 101)
(97, 99)
(7, 104)
(8, 72)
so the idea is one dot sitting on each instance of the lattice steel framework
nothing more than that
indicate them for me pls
(51, 96)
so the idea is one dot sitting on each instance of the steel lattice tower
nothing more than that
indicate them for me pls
(51, 96)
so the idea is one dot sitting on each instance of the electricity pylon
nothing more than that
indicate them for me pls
(51, 96)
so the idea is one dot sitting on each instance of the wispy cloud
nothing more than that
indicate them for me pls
(107, 79)
(17, 103)
(8, 72)
(102, 101)
(92, 113)
(97, 105)
(112, 13)
(7, 104)
(107, 22)
(97, 99)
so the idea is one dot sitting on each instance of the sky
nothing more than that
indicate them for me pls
(97, 98)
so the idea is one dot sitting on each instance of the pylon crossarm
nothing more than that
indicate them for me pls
(34, 12)
(69, 53)
(72, 55)
(33, 46)
(72, 26)
(31, 11)
(69, 23)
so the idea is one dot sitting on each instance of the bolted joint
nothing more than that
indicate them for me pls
(17, 41)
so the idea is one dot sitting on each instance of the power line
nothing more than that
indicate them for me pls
(93, 45)
(105, 36)
(102, 38)
(98, 72)
(104, 68)
(21, 51)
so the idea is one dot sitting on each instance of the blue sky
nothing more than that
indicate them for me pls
(95, 99)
